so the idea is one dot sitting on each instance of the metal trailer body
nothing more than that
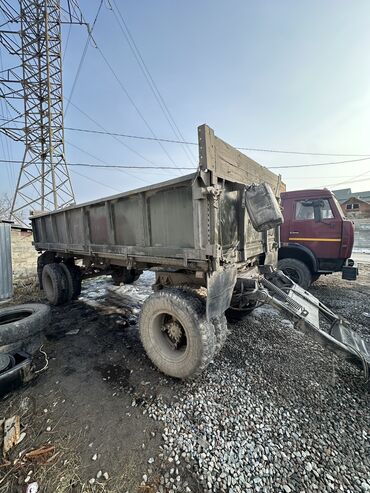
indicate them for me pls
(194, 232)
(195, 223)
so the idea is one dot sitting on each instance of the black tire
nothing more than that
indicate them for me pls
(297, 271)
(315, 278)
(73, 274)
(45, 258)
(122, 275)
(20, 325)
(233, 314)
(190, 347)
(221, 332)
(55, 284)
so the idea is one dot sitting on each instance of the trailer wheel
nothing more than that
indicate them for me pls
(55, 284)
(73, 274)
(175, 333)
(221, 332)
(297, 271)
(122, 275)
(235, 313)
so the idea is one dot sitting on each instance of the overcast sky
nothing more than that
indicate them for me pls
(274, 74)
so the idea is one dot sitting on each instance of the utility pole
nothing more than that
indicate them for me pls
(33, 93)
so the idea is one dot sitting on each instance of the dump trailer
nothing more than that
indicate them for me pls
(212, 239)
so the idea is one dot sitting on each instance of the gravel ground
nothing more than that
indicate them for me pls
(275, 412)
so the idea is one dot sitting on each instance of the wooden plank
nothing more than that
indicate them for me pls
(12, 431)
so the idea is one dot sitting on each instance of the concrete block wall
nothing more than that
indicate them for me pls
(24, 255)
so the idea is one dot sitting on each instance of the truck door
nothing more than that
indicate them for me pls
(318, 226)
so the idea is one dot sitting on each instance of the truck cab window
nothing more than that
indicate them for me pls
(326, 212)
(304, 210)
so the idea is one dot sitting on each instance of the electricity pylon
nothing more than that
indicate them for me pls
(33, 93)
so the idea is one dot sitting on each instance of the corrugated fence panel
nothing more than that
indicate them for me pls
(6, 273)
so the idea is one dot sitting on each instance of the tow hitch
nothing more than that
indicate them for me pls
(312, 317)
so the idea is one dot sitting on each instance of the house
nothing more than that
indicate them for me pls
(355, 205)
(356, 208)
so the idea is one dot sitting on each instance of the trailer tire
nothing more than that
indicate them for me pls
(55, 284)
(22, 327)
(73, 273)
(175, 333)
(297, 271)
(122, 275)
(221, 332)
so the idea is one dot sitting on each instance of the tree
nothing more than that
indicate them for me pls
(5, 206)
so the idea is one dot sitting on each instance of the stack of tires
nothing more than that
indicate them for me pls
(22, 327)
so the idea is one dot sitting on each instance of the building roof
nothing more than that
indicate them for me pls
(343, 194)
(346, 193)
(16, 226)
(357, 199)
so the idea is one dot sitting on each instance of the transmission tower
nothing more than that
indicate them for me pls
(33, 93)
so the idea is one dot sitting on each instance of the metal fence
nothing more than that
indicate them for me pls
(6, 273)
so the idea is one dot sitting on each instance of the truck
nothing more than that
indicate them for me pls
(316, 237)
(211, 238)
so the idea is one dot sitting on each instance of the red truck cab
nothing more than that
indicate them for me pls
(316, 238)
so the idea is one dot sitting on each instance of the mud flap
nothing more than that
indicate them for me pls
(220, 287)
(315, 319)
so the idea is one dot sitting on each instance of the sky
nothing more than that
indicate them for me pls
(282, 75)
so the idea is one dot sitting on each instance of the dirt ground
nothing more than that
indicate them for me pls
(91, 403)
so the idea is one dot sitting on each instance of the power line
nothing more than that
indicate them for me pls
(318, 164)
(124, 89)
(166, 167)
(104, 131)
(148, 76)
(95, 181)
(83, 56)
(104, 162)
(122, 166)
(175, 141)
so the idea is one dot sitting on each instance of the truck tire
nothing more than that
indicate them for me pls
(73, 274)
(315, 278)
(221, 332)
(297, 271)
(55, 284)
(219, 323)
(122, 275)
(175, 333)
(22, 327)
(234, 313)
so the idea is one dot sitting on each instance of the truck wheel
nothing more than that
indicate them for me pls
(175, 333)
(73, 274)
(297, 271)
(235, 313)
(221, 332)
(122, 275)
(315, 278)
(55, 284)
